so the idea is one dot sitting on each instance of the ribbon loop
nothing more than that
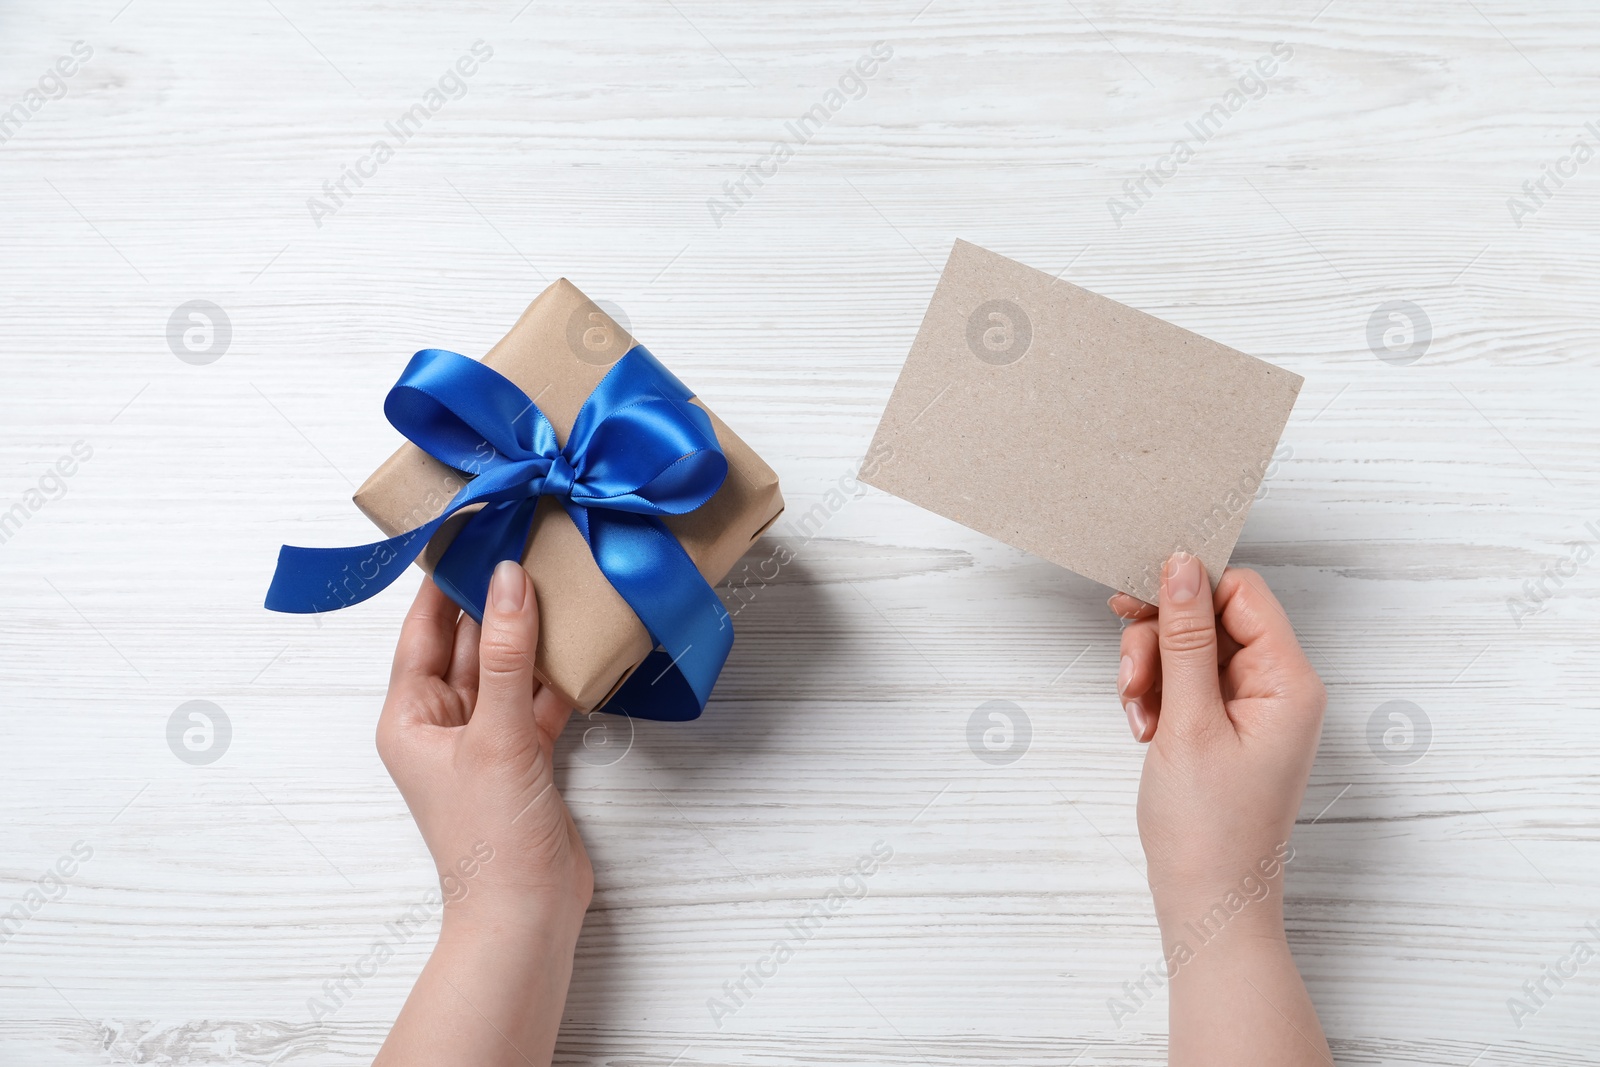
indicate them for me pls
(638, 450)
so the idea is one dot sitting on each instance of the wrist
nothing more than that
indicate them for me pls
(493, 988)
(1200, 900)
(515, 918)
(1192, 926)
(508, 949)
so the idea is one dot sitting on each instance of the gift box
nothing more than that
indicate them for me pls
(590, 639)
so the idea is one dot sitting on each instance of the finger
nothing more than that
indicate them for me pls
(1140, 669)
(1144, 716)
(427, 635)
(550, 713)
(463, 673)
(1270, 661)
(1226, 647)
(505, 656)
(1127, 607)
(1250, 611)
(1139, 678)
(421, 656)
(1191, 695)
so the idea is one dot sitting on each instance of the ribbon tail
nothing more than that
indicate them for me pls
(657, 690)
(312, 580)
(652, 572)
(498, 532)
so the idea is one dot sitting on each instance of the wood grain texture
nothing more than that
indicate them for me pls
(1417, 501)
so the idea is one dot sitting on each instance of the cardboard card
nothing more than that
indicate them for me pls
(1076, 428)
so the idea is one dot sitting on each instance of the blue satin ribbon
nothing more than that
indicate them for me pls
(638, 450)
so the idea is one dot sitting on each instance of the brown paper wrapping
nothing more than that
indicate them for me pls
(589, 639)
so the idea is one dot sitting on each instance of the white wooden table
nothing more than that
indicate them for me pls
(216, 901)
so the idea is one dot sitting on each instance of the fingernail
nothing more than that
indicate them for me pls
(507, 586)
(1183, 577)
(1136, 719)
(1125, 674)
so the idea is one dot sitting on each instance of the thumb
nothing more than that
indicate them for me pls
(1191, 698)
(505, 654)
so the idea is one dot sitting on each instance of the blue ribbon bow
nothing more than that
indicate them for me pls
(638, 450)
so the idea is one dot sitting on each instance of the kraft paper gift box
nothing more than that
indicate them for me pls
(1076, 428)
(589, 639)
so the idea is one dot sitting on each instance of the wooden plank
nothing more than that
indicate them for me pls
(1417, 501)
